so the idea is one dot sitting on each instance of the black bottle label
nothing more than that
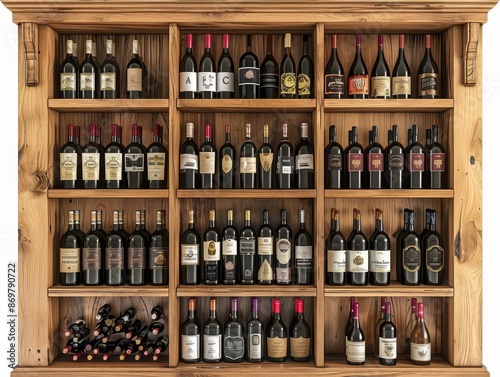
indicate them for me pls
(428, 84)
(411, 258)
(435, 258)
(334, 162)
(136, 258)
(158, 258)
(234, 347)
(249, 76)
(334, 84)
(396, 161)
(134, 162)
(115, 258)
(91, 258)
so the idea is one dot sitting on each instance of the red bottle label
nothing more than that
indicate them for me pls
(437, 162)
(417, 162)
(376, 162)
(356, 162)
(359, 84)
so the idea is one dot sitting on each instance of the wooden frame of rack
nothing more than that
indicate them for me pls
(455, 314)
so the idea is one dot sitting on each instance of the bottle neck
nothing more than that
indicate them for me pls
(191, 314)
(213, 314)
(356, 225)
(228, 137)
(379, 225)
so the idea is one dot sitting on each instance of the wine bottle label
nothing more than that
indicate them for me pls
(136, 258)
(303, 85)
(283, 275)
(303, 256)
(114, 258)
(436, 162)
(387, 348)
(207, 82)
(276, 347)
(188, 82)
(67, 81)
(207, 162)
(401, 85)
(334, 84)
(188, 161)
(359, 84)
(357, 260)
(434, 258)
(380, 261)
(288, 83)
(225, 82)
(87, 81)
(375, 162)
(381, 86)
(190, 347)
(156, 166)
(265, 272)
(189, 255)
(334, 162)
(229, 247)
(355, 162)
(417, 162)
(428, 84)
(285, 165)
(134, 79)
(255, 346)
(234, 347)
(300, 347)
(158, 258)
(247, 245)
(212, 347)
(396, 161)
(265, 245)
(269, 80)
(91, 258)
(108, 81)
(248, 165)
(266, 161)
(336, 261)
(355, 351)
(211, 250)
(226, 163)
(134, 162)
(67, 166)
(113, 166)
(304, 161)
(283, 250)
(90, 166)
(69, 260)
(411, 258)
(420, 352)
(248, 76)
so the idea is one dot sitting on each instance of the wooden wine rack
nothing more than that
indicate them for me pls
(453, 311)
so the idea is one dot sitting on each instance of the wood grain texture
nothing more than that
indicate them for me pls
(108, 105)
(106, 291)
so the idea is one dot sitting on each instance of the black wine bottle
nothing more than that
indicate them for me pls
(93, 162)
(248, 161)
(288, 79)
(334, 161)
(110, 74)
(284, 252)
(355, 343)
(115, 255)
(227, 162)
(381, 75)
(285, 162)
(336, 253)
(207, 81)
(113, 158)
(303, 253)
(190, 336)
(276, 336)
(266, 162)
(89, 74)
(92, 254)
(269, 73)
(428, 79)
(69, 74)
(211, 252)
(158, 252)
(401, 75)
(357, 253)
(249, 73)
(212, 336)
(188, 71)
(255, 336)
(394, 161)
(157, 161)
(435, 157)
(248, 248)
(411, 258)
(399, 237)
(415, 161)
(70, 162)
(207, 158)
(136, 74)
(305, 72)
(265, 251)
(359, 83)
(135, 160)
(387, 339)
(300, 336)
(380, 253)
(354, 162)
(70, 254)
(188, 161)
(334, 74)
(137, 252)
(304, 160)
(234, 336)
(230, 257)
(374, 162)
(225, 71)
(190, 247)
(434, 257)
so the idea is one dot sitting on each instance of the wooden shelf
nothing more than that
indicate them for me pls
(108, 291)
(246, 105)
(389, 193)
(252, 193)
(395, 289)
(109, 105)
(246, 291)
(420, 105)
(109, 194)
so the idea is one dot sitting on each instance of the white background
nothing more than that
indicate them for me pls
(491, 201)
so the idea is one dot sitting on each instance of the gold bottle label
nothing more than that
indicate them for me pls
(276, 347)
(300, 347)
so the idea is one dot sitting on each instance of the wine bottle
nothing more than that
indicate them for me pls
(136, 74)
(265, 251)
(113, 159)
(269, 73)
(99, 229)
(75, 53)
(435, 157)
(399, 237)
(144, 231)
(75, 327)
(157, 326)
(110, 74)
(284, 252)
(288, 79)
(225, 71)
(374, 162)
(394, 161)
(211, 252)
(157, 160)
(212, 336)
(381, 75)
(137, 252)
(115, 255)
(249, 72)
(92, 162)
(380, 320)
(248, 161)
(411, 259)
(124, 319)
(70, 254)
(248, 247)
(102, 313)
(355, 343)
(79, 233)
(188, 161)
(76, 137)
(190, 336)
(420, 341)
(234, 336)
(411, 321)
(334, 74)
(304, 160)
(188, 76)
(70, 162)
(266, 162)
(207, 81)
(161, 345)
(208, 156)
(276, 336)
(68, 74)
(334, 173)
(433, 262)
(300, 336)
(285, 162)
(380, 253)
(159, 252)
(387, 339)
(303, 254)
(135, 156)
(89, 74)
(336, 252)
(74, 347)
(401, 75)
(415, 161)
(227, 160)
(357, 253)
(92, 254)
(354, 162)
(428, 79)
(230, 257)
(190, 246)
(350, 320)
(305, 72)
(359, 84)
(133, 329)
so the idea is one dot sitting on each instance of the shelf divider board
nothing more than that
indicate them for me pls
(395, 289)
(104, 193)
(388, 193)
(246, 291)
(106, 291)
(244, 193)
(107, 105)
(370, 105)
(246, 105)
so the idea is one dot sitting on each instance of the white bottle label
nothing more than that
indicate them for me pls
(108, 81)
(357, 260)
(380, 260)
(420, 352)
(255, 346)
(265, 245)
(156, 166)
(225, 82)
(355, 351)
(113, 166)
(68, 81)
(248, 165)
(207, 162)
(190, 347)
(188, 82)
(283, 250)
(211, 251)
(87, 81)
(188, 161)
(189, 255)
(304, 161)
(303, 252)
(206, 82)
(387, 348)
(229, 247)
(90, 166)
(212, 347)
(336, 260)
(68, 164)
